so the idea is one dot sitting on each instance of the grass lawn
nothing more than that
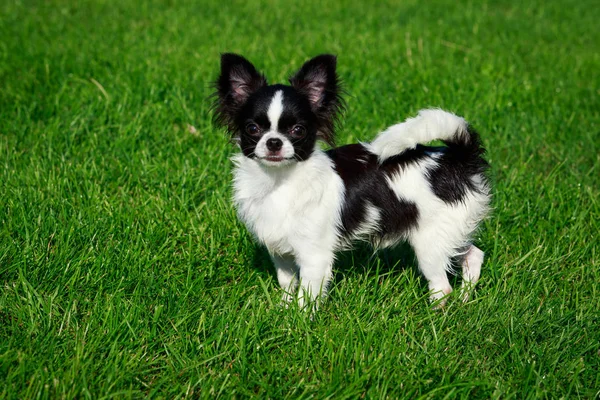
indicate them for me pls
(125, 273)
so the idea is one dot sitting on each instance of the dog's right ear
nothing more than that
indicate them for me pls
(238, 80)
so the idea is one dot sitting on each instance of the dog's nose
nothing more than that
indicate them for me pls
(274, 144)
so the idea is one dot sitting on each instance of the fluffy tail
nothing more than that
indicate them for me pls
(428, 125)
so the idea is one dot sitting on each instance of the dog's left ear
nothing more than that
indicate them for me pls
(318, 81)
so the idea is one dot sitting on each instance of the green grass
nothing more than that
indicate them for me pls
(125, 273)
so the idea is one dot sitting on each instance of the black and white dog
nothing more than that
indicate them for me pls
(304, 204)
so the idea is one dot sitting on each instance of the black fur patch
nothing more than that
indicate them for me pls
(318, 81)
(365, 182)
(451, 179)
(237, 81)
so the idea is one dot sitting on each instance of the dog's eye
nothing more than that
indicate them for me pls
(298, 131)
(252, 129)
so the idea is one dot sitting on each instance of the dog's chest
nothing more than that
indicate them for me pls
(272, 216)
(282, 210)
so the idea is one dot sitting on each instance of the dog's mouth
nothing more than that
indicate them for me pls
(276, 158)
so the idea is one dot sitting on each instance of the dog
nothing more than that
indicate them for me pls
(305, 204)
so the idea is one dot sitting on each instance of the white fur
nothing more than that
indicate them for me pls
(295, 211)
(275, 109)
(428, 125)
(471, 270)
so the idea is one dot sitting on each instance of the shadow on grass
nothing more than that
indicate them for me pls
(361, 260)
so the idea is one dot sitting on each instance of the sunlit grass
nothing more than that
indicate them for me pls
(125, 272)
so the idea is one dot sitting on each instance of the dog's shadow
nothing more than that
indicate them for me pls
(361, 260)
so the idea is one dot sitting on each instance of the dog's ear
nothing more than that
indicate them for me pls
(238, 80)
(318, 81)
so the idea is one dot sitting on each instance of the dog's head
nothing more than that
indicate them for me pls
(278, 124)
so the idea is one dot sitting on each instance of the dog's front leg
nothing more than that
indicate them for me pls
(287, 275)
(315, 275)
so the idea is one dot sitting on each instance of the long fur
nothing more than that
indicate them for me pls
(305, 204)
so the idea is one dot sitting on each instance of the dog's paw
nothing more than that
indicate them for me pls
(439, 298)
(286, 299)
(466, 291)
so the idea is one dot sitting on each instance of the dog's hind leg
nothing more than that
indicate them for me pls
(471, 270)
(434, 259)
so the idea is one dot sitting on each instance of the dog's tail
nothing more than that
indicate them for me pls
(428, 125)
